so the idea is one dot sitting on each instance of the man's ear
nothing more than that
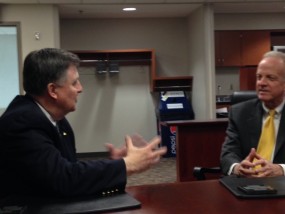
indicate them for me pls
(51, 89)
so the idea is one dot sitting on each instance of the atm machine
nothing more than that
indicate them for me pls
(173, 105)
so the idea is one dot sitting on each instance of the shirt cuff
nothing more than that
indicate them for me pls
(232, 167)
(283, 167)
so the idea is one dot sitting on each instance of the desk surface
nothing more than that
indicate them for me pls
(197, 197)
(194, 122)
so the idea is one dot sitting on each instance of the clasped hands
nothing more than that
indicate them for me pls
(256, 166)
(138, 154)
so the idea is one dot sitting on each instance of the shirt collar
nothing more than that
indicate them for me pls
(278, 109)
(47, 114)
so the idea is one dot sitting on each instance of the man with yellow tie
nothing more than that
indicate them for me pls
(255, 137)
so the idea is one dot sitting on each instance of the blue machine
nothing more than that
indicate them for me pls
(173, 105)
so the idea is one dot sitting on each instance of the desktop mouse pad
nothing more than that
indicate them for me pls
(269, 187)
(87, 205)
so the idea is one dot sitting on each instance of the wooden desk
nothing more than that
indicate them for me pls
(198, 143)
(197, 197)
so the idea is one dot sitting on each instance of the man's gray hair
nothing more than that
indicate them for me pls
(277, 54)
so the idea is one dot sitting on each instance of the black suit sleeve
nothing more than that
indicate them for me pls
(231, 149)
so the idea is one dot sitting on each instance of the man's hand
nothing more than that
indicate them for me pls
(118, 153)
(246, 167)
(138, 140)
(256, 166)
(268, 169)
(139, 159)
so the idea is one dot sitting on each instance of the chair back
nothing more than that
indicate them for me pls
(240, 96)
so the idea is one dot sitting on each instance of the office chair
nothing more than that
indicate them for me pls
(241, 96)
(200, 172)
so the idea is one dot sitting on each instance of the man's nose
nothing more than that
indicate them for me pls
(80, 88)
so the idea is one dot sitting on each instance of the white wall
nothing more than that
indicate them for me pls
(167, 36)
(228, 80)
(111, 107)
(34, 18)
(201, 60)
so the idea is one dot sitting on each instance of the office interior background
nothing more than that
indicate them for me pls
(113, 105)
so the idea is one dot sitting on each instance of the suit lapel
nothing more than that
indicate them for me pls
(280, 134)
(255, 125)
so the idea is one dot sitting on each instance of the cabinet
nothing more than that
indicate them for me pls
(227, 48)
(247, 76)
(277, 38)
(127, 57)
(241, 48)
(253, 45)
(260, 41)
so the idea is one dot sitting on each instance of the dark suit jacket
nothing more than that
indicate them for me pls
(37, 160)
(243, 132)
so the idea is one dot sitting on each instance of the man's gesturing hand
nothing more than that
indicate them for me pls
(139, 159)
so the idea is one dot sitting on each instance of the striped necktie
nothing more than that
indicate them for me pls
(57, 128)
(267, 137)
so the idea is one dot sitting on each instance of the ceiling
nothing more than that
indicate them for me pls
(153, 8)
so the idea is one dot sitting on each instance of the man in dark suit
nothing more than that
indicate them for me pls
(239, 154)
(37, 145)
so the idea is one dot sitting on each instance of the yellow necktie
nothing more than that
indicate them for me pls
(267, 138)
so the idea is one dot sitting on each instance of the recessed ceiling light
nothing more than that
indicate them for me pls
(129, 9)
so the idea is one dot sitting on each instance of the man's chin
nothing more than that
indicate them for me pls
(72, 109)
(263, 95)
(264, 98)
